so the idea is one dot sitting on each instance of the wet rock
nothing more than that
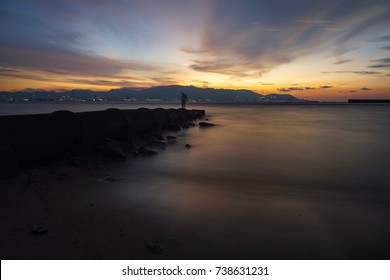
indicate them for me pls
(147, 152)
(109, 179)
(185, 126)
(156, 144)
(113, 149)
(188, 146)
(39, 229)
(159, 137)
(155, 249)
(138, 143)
(8, 164)
(191, 124)
(172, 127)
(206, 124)
(171, 138)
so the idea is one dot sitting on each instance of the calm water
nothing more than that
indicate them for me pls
(271, 182)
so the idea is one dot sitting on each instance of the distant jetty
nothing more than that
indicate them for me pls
(368, 100)
(29, 139)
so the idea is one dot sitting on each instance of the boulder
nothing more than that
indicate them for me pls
(206, 124)
(113, 149)
(147, 152)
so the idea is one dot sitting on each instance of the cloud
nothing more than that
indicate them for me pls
(317, 23)
(342, 61)
(356, 72)
(365, 88)
(382, 38)
(381, 63)
(234, 45)
(239, 39)
(289, 89)
(266, 84)
(326, 87)
(61, 61)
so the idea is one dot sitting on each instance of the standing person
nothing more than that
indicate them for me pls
(183, 100)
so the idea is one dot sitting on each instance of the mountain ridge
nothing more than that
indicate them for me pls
(169, 93)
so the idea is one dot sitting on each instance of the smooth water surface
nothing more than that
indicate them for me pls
(275, 182)
(268, 182)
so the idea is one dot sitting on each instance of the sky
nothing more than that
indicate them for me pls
(316, 50)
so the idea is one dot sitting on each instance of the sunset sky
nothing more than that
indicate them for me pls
(316, 50)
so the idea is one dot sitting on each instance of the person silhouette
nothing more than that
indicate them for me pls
(183, 100)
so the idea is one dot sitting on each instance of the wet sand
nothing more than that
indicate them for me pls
(85, 220)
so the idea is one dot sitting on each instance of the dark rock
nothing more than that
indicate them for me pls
(191, 124)
(155, 249)
(206, 124)
(147, 152)
(172, 127)
(185, 126)
(27, 140)
(8, 164)
(188, 146)
(113, 149)
(39, 229)
(156, 144)
(171, 138)
(110, 179)
(96, 126)
(159, 137)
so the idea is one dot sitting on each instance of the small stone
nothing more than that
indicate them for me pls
(206, 124)
(109, 179)
(171, 138)
(147, 152)
(39, 229)
(188, 146)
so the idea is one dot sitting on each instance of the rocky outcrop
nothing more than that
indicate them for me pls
(30, 139)
(206, 124)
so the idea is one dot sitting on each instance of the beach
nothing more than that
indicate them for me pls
(267, 182)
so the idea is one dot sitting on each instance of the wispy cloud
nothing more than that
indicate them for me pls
(140, 41)
(342, 61)
(381, 63)
(289, 89)
(235, 47)
(355, 72)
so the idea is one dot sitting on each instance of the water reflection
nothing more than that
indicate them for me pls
(308, 181)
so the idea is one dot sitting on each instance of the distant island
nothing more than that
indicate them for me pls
(154, 94)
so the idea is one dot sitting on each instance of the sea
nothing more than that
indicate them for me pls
(268, 181)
